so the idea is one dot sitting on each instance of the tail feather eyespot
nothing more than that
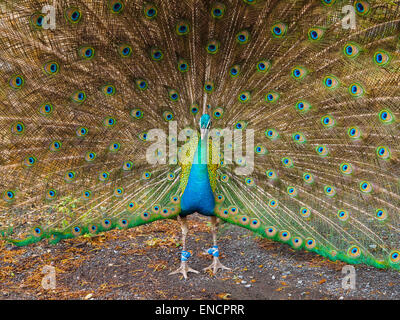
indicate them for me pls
(263, 66)
(76, 231)
(330, 191)
(244, 220)
(381, 58)
(234, 71)
(46, 109)
(395, 256)
(104, 176)
(271, 174)
(183, 65)
(279, 30)
(356, 90)
(305, 212)
(244, 96)
(125, 50)
(297, 242)
(78, 96)
(284, 235)
(156, 54)
(73, 15)
(150, 11)
(37, 20)
(17, 82)
(116, 6)
(182, 28)
(146, 215)
(273, 203)
(243, 37)
(86, 52)
(270, 231)
(18, 128)
(362, 7)
(213, 47)
(9, 195)
(310, 243)
(92, 228)
(108, 90)
(331, 82)
(29, 161)
(272, 97)
(255, 223)
(354, 251)
(381, 214)
(343, 215)
(298, 72)
(308, 177)
(386, 116)
(106, 223)
(131, 206)
(37, 232)
(351, 50)
(51, 68)
(123, 223)
(218, 10)
(315, 34)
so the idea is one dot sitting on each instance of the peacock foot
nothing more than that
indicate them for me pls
(216, 265)
(184, 269)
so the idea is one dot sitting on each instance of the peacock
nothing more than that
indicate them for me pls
(279, 116)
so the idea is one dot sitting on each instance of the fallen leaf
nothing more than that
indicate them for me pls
(87, 297)
(224, 296)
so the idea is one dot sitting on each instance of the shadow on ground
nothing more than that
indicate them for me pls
(134, 264)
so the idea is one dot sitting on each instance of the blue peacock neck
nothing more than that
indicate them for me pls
(198, 195)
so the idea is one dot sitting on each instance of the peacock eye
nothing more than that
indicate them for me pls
(51, 68)
(73, 15)
(381, 58)
(331, 82)
(182, 28)
(356, 90)
(299, 72)
(243, 37)
(213, 47)
(116, 6)
(351, 50)
(315, 34)
(218, 11)
(279, 30)
(272, 97)
(16, 82)
(362, 7)
(156, 54)
(150, 11)
(125, 50)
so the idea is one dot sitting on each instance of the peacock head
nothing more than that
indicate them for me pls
(205, 124)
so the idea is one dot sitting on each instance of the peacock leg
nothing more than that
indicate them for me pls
(184, 268)
(216, 265)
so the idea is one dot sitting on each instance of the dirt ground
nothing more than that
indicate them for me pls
(134, 264)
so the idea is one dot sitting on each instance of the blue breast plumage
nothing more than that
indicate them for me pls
(198, 195)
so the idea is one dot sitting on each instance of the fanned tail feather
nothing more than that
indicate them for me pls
(78, 103)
